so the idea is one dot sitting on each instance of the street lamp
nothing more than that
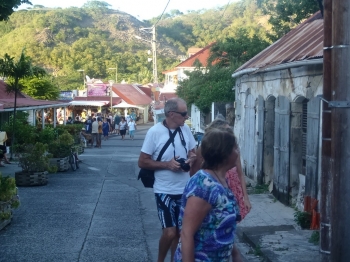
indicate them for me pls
(111, 82)
(82, 70)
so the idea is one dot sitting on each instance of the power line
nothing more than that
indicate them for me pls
(162, 13)
(222, 16)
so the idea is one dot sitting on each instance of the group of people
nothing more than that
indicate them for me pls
(198, 208)
(100, 127)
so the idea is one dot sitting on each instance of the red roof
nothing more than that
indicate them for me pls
(131, 94)
(146, 90)
(202, 57)
(302, 43)
(8, 100)
(5, 95)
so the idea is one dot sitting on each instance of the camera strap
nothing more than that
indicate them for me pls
(173, 134)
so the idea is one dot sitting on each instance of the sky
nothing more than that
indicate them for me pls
(141, 9)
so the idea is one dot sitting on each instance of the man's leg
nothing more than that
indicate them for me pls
(166, 242)
(168, 213)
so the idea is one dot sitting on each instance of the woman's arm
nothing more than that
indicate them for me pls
(197, 163)
(195, 211)
(243, 184)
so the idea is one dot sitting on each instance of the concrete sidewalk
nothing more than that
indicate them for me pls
(272, 234)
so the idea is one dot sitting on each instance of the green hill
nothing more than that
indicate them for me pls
(95, 38)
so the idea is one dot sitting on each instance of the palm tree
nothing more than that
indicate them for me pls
(14, 72)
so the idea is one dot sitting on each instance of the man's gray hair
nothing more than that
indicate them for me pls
(220, 116)
(172, 105)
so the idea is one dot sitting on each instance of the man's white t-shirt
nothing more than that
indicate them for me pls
(167, 181)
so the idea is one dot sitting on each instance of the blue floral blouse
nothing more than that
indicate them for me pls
(214, 239)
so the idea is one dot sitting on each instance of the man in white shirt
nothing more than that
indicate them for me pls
(170, 178)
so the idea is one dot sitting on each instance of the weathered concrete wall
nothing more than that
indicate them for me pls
(294, 83)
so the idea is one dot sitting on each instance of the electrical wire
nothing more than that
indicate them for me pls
(162, 13)
(222, 16)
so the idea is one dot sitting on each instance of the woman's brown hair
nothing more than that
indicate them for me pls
(216, 147)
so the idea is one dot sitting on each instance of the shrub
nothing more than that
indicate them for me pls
(303, 219)
(47, 135)
(34, 158)
(8, 195)
(25, 133)
(61, 147)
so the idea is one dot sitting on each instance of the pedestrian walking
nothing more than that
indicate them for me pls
(132, 128)
(208, 210)
(99, 120)
(116, 123)
(171, 172)
(94, 131)
(105, 129)
(123, 125)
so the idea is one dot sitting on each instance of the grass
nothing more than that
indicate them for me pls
(256, 251)
(315, 238)
(259, 189)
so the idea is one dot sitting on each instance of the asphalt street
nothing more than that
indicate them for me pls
(100, 212)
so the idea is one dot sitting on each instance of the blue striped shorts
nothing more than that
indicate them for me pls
(168, 209)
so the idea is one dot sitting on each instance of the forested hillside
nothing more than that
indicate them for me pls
(95, 38)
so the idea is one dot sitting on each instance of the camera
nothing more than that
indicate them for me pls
(184, 166)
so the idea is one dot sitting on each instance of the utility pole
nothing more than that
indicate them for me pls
(340, 125)
(111, 85)
(326, 174)
(153, 42)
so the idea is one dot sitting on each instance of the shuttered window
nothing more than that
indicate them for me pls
(304, 134)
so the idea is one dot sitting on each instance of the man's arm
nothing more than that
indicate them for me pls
(146, 162)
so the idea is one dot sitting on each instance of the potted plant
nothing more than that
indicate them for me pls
(34, 161)
(60, 151)
(8, 199)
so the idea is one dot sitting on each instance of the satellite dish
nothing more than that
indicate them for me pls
(149, 59)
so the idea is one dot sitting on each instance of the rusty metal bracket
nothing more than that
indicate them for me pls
(335, 104)
(339, 104)
(335, 46)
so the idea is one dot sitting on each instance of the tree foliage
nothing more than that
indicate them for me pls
(7, 6)
(95, 37)
(287, 14)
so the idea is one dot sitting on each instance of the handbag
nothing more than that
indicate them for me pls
(147, 175)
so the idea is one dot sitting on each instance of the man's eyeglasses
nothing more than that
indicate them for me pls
(180, 113)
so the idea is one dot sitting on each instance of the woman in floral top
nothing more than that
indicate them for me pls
(208, 212)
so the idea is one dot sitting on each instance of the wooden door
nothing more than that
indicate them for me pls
(260, 141)
(281, 150)
(269, 131)
(249, 137)
(312, 147)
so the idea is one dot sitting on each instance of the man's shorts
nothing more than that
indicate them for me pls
(116, 126)
(168, 209)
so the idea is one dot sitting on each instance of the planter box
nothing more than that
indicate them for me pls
(61, 163)
(5, 207)
(31, 179)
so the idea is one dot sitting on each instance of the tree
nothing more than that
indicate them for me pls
(40, 88)
(14, 72)
(287, 14)
(7, 6)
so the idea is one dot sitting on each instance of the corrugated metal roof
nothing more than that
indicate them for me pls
(131, 94)
(8, 100)
(304, 42)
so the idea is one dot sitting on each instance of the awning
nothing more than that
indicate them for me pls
(124, 104)
(88, 103)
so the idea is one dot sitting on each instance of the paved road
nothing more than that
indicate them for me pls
(98, 213)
